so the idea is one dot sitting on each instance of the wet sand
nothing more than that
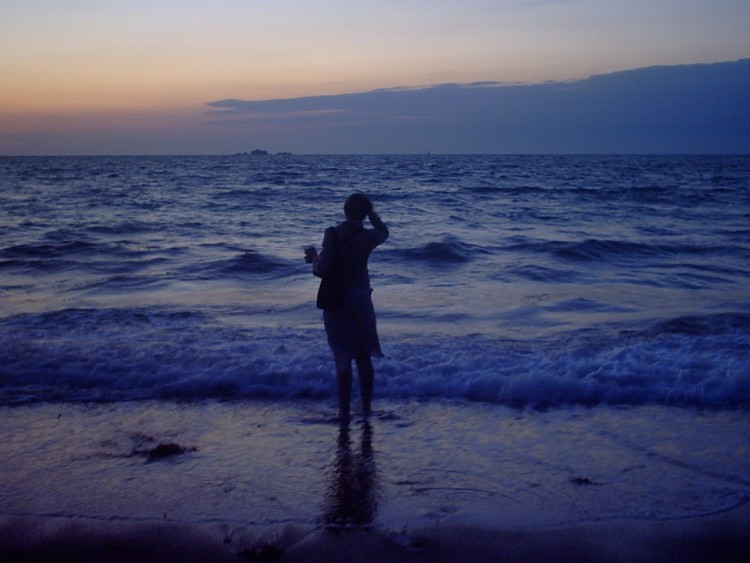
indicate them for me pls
(436, 481)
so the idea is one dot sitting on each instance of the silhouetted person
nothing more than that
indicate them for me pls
(352, 498)
(351, 329)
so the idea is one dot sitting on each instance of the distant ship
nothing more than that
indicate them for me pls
(259, 152)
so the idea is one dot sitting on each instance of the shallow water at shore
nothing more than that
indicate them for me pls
(410, 465)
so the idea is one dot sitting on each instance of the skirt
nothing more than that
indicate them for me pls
(352, 331)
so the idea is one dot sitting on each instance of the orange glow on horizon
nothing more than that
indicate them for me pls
(90, 64)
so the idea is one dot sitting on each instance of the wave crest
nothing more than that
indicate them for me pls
(449, 251)
(115, 355)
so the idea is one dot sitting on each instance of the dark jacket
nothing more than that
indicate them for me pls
(355, 243)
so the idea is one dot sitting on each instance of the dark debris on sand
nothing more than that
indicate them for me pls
(162, 451)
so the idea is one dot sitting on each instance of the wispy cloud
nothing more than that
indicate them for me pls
(255, 110)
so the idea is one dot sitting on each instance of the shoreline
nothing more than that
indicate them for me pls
(416, 482)
(720, 537)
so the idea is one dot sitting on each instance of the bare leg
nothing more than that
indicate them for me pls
(366, 381)
(345, 391)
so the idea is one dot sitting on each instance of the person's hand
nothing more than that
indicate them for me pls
(310, 254)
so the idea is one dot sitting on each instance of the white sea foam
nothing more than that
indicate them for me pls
(84, 355)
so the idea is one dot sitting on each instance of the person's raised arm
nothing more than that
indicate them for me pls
(377, 224)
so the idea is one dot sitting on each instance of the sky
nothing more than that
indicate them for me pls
(139, 76)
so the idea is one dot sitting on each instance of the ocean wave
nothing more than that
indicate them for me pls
(49, 250)
(79, 255)
(450, 250)
(602, 249)
(536, 272)
(124, 228)
(116, 355)
(248, 263)
(128, 281)
(36, 265)
(704, 325)
(508, 190)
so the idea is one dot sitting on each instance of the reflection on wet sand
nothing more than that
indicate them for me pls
(352, 494)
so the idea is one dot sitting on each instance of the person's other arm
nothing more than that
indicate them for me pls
(323, 262)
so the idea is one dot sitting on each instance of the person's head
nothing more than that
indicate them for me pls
(357, 207)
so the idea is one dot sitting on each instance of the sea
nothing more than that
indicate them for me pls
(514, 280)
(566, 339)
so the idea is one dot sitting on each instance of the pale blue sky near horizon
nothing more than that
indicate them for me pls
(136, 76)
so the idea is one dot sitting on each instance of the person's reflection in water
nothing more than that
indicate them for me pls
(352, 494)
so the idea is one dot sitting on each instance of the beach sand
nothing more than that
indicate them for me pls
(713, 539)
(432, 481)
